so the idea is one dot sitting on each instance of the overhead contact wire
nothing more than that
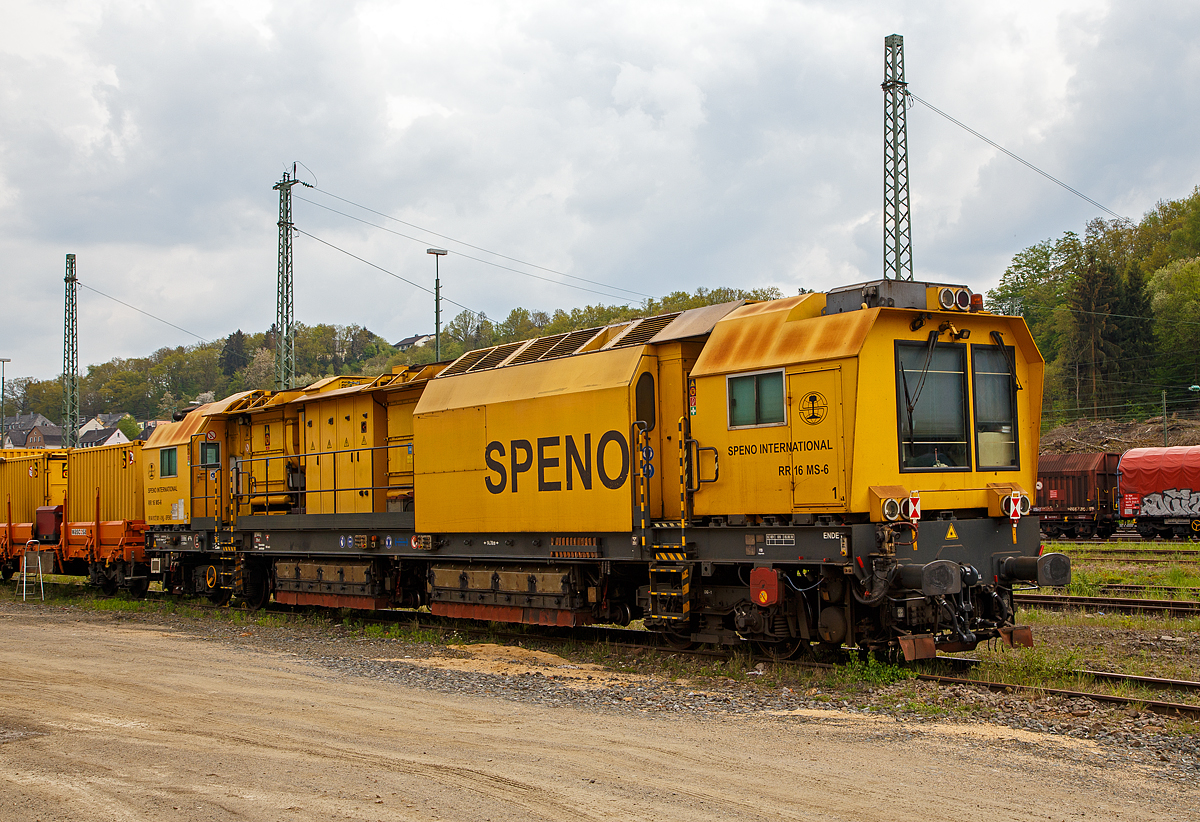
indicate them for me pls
(476, 247)
(384, 270)
(1025, 163)
(459, 253)
(147, 313)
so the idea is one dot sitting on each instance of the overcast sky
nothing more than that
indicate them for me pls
(647, 146)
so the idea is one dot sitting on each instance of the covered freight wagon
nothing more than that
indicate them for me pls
(1077, 494)
(1161, 488)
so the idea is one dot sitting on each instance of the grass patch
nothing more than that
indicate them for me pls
(868, 670)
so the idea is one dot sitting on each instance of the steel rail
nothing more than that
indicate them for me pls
(651, 639)
(1167, 708)
(1174, 607)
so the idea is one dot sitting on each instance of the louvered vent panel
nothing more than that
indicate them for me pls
(537, 348)
(644, 331)
(496, 356)
(570, 343)
(464, 362)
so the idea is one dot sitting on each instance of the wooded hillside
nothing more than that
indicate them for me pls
(1116, 314)
(155, 386)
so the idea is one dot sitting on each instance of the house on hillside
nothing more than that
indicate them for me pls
(149, 427)
(44, 436)
(15, 438)
(101, 421)
(102, 436)
(415, 341)
(24, 422)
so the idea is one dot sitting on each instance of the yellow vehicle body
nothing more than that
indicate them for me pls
(30, 481)
(839, 437)
(532, 447)
(186, 463)
(105, 483)
(345, 456)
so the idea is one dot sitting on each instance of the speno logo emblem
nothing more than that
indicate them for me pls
(813, 407)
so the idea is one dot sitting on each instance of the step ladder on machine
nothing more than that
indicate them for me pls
(671, 589)
(29, 574)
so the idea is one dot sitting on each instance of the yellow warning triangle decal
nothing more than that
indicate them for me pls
(951, 533)
(329, 445)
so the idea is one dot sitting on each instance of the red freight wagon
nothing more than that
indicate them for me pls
(1161, 488)
(1077, 494)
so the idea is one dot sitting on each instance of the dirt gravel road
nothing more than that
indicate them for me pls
(101, 720)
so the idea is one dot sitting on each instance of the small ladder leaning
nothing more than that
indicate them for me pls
(28, 574)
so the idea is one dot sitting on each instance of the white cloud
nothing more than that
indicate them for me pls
(651, 147)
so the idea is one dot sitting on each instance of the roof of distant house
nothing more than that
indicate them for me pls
(24, 422)
(17, 436)
(51, 436)
(413, 340)
(97, 437)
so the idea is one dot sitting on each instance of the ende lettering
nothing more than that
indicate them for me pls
(575, 461)
(779, 447)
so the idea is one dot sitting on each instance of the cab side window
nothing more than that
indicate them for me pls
(166, 463)
(210, 453)
(756, 399)
(644, 400)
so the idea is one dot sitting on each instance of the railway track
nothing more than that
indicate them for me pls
(1156, 706)
(1124, 588)
(1101, 548)
(629, 637)
(1131, 560)
(1172, 607)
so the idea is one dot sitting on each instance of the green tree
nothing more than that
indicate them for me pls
(1174, 292)
(129, 427)
(260, 373)
(233, 353)
(1090, 344)
(167, 405)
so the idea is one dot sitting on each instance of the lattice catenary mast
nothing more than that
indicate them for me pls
(285, 332)
(70, 377)
(897, 231)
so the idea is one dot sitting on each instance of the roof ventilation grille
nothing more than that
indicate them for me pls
(496, 356)
(464, 362)
(646, 330)
(571, 343)
(537, 348)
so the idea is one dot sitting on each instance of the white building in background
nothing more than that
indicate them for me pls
(102, 436)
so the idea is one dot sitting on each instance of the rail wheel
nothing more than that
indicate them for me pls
(780, 650)
(677, 639)
(139, 587)
(6, 572)
(104, 577)
(258, 593)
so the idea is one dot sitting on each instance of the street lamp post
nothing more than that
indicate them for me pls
(3, 405)
(437, 302)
